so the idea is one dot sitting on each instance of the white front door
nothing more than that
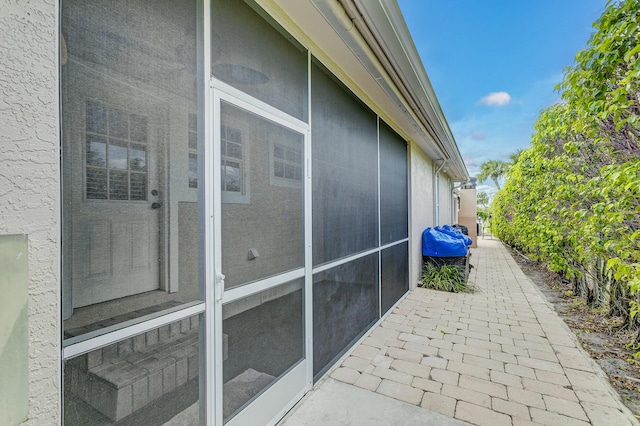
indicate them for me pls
(262, 311)
(117, 149)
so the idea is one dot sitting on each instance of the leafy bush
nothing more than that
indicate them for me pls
(572, 200)
(444, 277)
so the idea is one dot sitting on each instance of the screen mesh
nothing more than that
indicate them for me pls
(131, 159)
(345, 305)
(345, 172)
(393, 186)
(394, 273)
(253, 55)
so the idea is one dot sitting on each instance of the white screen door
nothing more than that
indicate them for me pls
(261, 189)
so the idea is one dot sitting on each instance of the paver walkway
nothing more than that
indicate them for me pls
(498, 356)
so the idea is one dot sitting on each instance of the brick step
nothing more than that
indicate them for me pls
(122, 378)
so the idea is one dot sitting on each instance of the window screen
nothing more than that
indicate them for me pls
(345, 172)
(251, 53)
(263, 339)
(149, 379)
(393, 186)
(394, 274)
(345, 305)
(129, 136)
(258, 215)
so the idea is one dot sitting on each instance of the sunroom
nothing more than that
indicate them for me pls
(243, 189)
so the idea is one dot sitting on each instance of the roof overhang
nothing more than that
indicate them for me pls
(366, 43)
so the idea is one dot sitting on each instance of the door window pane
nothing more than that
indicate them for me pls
(263, 339)
(258, 216)
(150, 379)
(108, 146)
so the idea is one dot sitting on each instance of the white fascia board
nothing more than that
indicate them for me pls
(386, 22)
(324, 27)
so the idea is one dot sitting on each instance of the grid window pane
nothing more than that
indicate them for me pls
(118, 155)
(96, 151)
(138, 158)
(96, 184)
(118, 185)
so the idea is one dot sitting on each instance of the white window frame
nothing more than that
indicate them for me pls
(244, 196)
(283, 181)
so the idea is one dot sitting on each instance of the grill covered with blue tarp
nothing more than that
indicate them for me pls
(436, 243)
(456, 233)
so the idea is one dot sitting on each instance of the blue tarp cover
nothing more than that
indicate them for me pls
(439, 244)
(450, 230)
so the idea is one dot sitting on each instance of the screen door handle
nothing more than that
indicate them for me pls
(219, 286)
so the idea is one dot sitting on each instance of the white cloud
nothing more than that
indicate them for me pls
(496, 99)
(478, 135)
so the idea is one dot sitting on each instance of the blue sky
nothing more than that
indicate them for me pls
(494, 64)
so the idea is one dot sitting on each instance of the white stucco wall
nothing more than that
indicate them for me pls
(421, 208)
(29, 182)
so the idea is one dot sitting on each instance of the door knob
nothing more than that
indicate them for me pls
(156, 205)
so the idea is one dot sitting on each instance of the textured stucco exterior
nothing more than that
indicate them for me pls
(421, 208)
(29, 182)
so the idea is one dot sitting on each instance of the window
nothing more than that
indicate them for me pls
(116, 154)
(233, 158)
(193, 151)
(286, 164)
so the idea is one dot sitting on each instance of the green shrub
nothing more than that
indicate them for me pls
(444, 277)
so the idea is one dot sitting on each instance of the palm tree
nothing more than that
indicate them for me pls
(482, 198)
(494, 169)
(515, 156)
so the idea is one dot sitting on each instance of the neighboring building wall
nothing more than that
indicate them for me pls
(29, 183)
(421, 208)
(468, 213)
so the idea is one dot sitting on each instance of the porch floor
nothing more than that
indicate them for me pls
(497, 356)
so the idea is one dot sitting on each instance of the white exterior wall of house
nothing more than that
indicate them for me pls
(421, 208)
(30, 184)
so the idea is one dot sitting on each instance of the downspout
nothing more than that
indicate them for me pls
(436, 192)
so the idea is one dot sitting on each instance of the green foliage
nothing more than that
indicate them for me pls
(572, 199)
(494, 169)
(444, 277)
(482, 198)
(483, 213)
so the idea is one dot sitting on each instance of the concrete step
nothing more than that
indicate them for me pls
(124, 377)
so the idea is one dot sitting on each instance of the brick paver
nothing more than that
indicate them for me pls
(499, 355)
